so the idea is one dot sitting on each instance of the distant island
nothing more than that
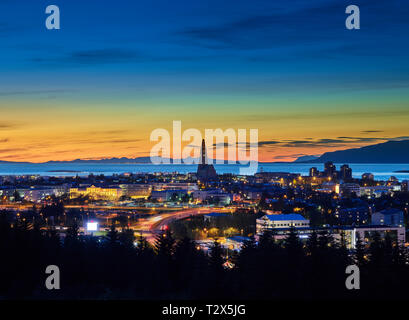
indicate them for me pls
(65, 171)
(387, 152)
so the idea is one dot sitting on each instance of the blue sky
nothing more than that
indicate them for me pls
(243, 61)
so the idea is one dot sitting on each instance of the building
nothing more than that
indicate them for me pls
(169, 195)
(278, 178)
(136, 191)
(314, 172)
(368, 176)
(345, 172)
(188, 186)
(348, 189)
(97, 193)
(349, 233)
(353, 216)
(375, 191)
(329, 187)
(36, 194)
(277, 221)
(405, 184)
(213, 196)
(366, 234)
(214, 215)
(329, 169)
(235, 243)
(388, 217)
(205, 171)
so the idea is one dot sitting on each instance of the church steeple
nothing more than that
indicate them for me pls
(203, 152)
(205, 172)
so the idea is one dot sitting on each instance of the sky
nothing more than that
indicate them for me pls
(117, 70)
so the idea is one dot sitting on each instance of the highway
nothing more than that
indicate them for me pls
(149, 227)
(152, 226)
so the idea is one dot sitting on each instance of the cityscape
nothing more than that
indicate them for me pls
(203, 224)
(200, 158)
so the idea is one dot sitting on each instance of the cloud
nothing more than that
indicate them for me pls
(372, 131)
(12, 150)
(91, 57)
(8, 125)
(102, 56)
(32, 92)
(304, 31)
(113, 56)
(268, 142)
(338, 142)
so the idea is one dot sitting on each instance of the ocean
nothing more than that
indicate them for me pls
(381, 171)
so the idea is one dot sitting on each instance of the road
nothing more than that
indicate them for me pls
(149, 227)
(152, 226)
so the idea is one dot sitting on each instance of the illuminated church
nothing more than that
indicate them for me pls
(205, 172)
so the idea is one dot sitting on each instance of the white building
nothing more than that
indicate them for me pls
(39, 193)
(366, 233)
(215, 195)
(278, 221)
(375, 191)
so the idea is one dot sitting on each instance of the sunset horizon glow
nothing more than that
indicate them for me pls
(115, 72)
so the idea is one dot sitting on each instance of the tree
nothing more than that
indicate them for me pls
(216, 258)
(376, 250)
(164, 245)
(359, 252)
(16, 196)
(112, 235)
(325, 241)
(127, 238)
(312, 243)
(266, 240)
(292, 243)
(246, 261)
(72, 234)
(399, 255)
(143, 245)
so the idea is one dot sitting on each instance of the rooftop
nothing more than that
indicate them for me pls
(391, 211)
(216, 214)
(238, 238)
(283, 217)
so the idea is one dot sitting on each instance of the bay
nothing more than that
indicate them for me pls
(381, 171)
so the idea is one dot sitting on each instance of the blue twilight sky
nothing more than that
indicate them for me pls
(247, 63)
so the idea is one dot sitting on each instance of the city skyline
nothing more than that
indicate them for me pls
(99, 86)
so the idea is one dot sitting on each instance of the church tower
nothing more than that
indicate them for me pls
(205, 172)
(203, 152)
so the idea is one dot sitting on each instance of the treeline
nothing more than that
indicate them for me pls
(114, 268)
(231, 224)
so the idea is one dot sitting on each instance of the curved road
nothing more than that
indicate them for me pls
(152, 226)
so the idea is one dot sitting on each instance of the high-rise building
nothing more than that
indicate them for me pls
(314, 172)
(346, 172)
(330, 169)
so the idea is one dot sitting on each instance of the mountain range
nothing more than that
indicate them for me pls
(387, 152)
